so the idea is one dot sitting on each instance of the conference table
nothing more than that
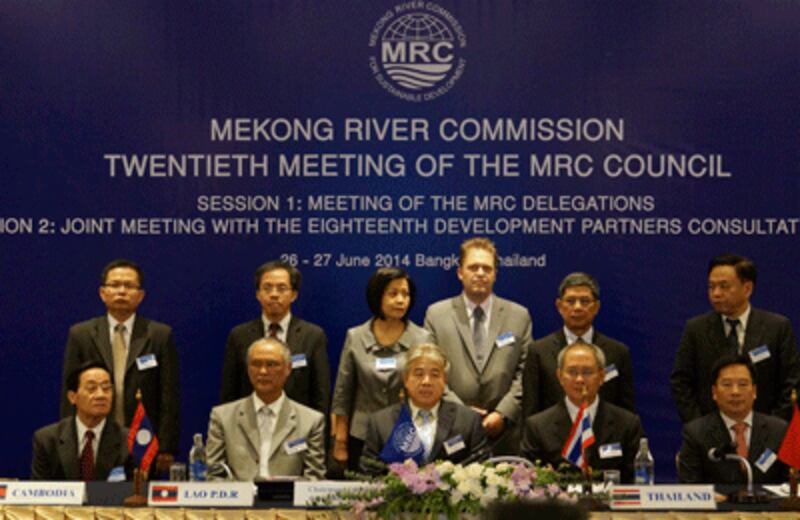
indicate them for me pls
(104, 501)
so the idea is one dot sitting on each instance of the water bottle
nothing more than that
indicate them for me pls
(197, 459)
(643, 465)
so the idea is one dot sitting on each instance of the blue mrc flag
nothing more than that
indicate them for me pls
(403, 443)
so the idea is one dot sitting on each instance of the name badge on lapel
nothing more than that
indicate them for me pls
(766, 460)
(383, 364)
(295, 446)
(454, 444)
(146, 362)
(299, 361)
(505, 339)
(611, 372)
(759, 354)
(609, 451)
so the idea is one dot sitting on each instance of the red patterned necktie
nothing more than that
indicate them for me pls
(741, 442)
(87, 457)
(274, 329)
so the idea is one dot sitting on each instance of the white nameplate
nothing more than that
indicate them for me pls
(307, 490)
(45, 493)
(208, 494)
(663, 497)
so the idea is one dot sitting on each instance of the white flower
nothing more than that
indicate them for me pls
(445, 467)
(459, 474)
(475, 470)
(456, 497)
(489, 495)
(493, 479)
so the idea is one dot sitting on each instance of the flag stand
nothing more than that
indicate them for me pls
(137, 499)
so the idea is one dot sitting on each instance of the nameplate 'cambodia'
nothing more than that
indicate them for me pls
(306, 492)
(44, 493)
(663, 497)
(208, 494)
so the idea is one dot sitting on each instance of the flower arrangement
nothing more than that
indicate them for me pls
(444, 489)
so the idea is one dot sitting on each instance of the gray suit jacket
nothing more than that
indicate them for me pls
(499, 386)
(546, 432)
(709, 431)
(233, 438)
(90, 340)
(55, 451)
(309, 385)
(360, 387)
(704, 342)
(453, 419)
(541, 388)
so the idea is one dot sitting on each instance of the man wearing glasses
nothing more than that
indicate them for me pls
(578, 303)
(616, 430)
(277, 285)
(140, 352)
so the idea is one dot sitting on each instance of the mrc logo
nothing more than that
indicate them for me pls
(417, 51)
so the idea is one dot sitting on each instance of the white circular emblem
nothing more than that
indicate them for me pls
(417, 55)
(143, 437)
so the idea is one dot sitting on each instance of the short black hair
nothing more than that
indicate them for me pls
(744, 267)
(731, 359)
(579, 279)
(74, 378)
(122, 262)
(377, 284)
(295, 278)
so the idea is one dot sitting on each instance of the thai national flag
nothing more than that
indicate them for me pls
(2, 491)
(142, 440)
(580, 437)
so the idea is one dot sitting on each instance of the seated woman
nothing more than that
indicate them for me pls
(424, 428)
(372, 361)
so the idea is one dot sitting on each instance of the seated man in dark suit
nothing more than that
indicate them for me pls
(616, 430)
(88, 445)
(756, 436)
(447, 430)
(578, 303)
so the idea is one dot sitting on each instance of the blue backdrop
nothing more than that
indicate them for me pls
(82, 82)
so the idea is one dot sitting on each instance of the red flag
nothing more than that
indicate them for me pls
(142, 440)
(789, 452)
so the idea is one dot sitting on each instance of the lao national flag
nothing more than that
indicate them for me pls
(789, 453)
(403, 443)
(142, 440)
(580, 437)
(165, 494)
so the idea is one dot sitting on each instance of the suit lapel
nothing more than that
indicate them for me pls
(109, 448)
(461, 320)
(100, 336)
(496, 322)
(294, 334)
(284, 425)
(717, 342)
(603, 429)
(562, 425)
(444, 423)
(68, 449)
(754, 332)
(249, 425)
(138, 341)
(758, 438)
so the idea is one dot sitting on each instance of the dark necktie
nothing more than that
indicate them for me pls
(274, 330)
(87, 457)
(733, 337)
(478, 335)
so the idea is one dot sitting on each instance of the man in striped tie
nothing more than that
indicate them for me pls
(583, 429)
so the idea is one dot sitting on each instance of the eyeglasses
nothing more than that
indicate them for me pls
(573, 373)
(121, 286)
(585, 302)
(280, 289)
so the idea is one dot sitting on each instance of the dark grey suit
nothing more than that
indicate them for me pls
(90, 340)
(707, 432)
(309, 385)
(453, 419)
(55, 451)
(545, 433)
(541, 388)
(704, 342)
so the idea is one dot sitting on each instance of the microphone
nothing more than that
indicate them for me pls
(728, 452)
(718, 454)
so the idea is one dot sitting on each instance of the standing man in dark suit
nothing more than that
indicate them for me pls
(86, 446)
(486, 339)
(447, 430)
(277, 286)
(140, 352)
(734, 327)
(578, 303)
(757, 436)
(616, 430)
